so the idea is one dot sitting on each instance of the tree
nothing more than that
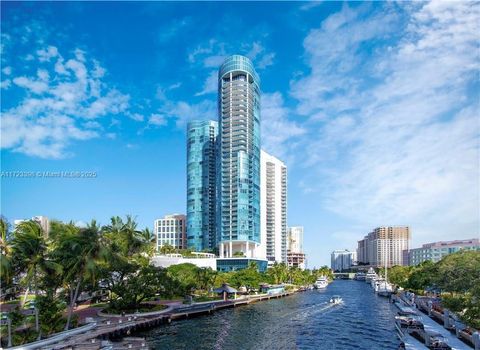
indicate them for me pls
(206, 278)
(6, 271)
(278, 273)
(422, 276)
(458, 272)
(399, 275)
(142, 284)
(79, 253)
(249, 277)
(167, 249)
(29, 253)
(186, 277)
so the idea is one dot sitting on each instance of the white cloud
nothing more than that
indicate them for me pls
(157, 120)
(47, 54)
(5, 84)
(61, 104)
(7, 70)
(33, 85)
(182, 111)
(395, 132)
(136, 116)
(266, 60)
(256, 49)
(210, 85)
(277, 129)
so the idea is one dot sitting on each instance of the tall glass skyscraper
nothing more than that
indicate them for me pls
(201, 185)
(239, 153)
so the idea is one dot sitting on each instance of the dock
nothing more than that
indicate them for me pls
(108, 328)
(418, 338)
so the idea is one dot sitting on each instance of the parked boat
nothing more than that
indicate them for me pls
(384, 289)
(408, 324)
(436, 341)
(321, 283)
(371, 274)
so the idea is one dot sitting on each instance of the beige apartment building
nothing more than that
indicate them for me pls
(384, 246)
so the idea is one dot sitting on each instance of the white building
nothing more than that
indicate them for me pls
(171, 230)
(198, 259)
(342, 259)
(43, 221)
(295, 254)
(273, 209)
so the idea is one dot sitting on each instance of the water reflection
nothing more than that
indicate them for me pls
(302, 321)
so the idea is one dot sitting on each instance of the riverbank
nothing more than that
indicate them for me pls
(115, 327)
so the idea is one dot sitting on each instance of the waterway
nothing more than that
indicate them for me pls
(302, 321)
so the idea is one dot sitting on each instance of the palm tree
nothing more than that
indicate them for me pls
(167, 249)
(80, 255)
(147, 239)
(278, 272)
(146, 236)
(29, 251)
(5, 252)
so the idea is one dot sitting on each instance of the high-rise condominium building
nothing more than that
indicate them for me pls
(437, 250)
(295, 254)
(342, 260)
(239, 151)
(384, 245)
(273, 204)
(171, 230)
(201, 185)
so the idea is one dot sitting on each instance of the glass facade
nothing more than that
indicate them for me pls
(239, 152)
(201, 185)
(226, 265)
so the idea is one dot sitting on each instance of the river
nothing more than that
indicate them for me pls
(302, 321)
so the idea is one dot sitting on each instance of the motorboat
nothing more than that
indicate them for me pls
(436, 341)
(335, 300)
(321, 283)
(371, 274)
(406, 324)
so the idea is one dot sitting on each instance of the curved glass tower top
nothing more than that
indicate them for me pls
(239, 150)
(241, 64)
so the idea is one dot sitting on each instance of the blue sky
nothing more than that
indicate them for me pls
(374, 107)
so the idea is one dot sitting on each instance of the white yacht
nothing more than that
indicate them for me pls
(371, 274)
(384, 289)
(321, 283)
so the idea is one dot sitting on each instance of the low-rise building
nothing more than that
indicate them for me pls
(437, 250)
(198, 259)
(209, 260)
(235, 264)
(171, 230)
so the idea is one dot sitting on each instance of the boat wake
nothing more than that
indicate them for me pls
(310, 311)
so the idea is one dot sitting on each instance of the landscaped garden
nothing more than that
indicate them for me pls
(47, 278)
